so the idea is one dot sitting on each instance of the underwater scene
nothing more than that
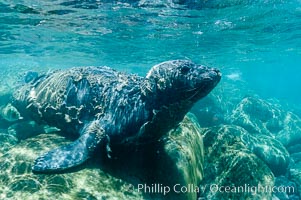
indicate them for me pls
(150, 99)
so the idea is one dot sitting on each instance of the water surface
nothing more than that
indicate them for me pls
(258, 42)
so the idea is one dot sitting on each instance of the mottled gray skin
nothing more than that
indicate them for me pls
(103, 106)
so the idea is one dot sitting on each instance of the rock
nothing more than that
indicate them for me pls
(295, 176)
(252, 114)
(176, 159)
(229, 163)
(295, 172)
(184, 151)
(7, 141)
(291, 133)
(294, 148)
(271, 151)
(290, 187)
(28, 129)
(261, 117)
(18, 182)
(296, 157)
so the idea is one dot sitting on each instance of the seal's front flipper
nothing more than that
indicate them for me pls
(71, 155)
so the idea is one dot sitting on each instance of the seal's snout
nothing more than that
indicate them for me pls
(215, 74)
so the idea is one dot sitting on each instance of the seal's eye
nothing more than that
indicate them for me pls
(184, 70)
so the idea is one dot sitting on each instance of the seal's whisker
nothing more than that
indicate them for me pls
(195, 94)
(186, 89)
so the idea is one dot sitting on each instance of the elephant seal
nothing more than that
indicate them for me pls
(102, 106)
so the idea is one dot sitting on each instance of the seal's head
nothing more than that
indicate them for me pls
(182, 80)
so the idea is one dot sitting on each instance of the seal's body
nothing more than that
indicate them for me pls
(101, 106)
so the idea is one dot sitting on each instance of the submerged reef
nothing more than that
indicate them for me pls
(256, 137)
(261, 117)
(230, 163)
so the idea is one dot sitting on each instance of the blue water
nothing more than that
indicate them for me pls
(254, 42)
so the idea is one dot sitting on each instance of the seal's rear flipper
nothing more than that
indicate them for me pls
(71, 155)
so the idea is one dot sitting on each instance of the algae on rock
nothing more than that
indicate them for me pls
(260, 117)
(176, 159)
(229, 162)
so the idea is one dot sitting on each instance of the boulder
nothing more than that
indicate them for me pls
(291, 190)
(230, 164)
(176, 159)
(261, 117)
(7, 141)
(295, 177)
(175, 162)
(269, 150)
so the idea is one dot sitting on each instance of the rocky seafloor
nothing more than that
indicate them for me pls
(251, 143)
(232, 147)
